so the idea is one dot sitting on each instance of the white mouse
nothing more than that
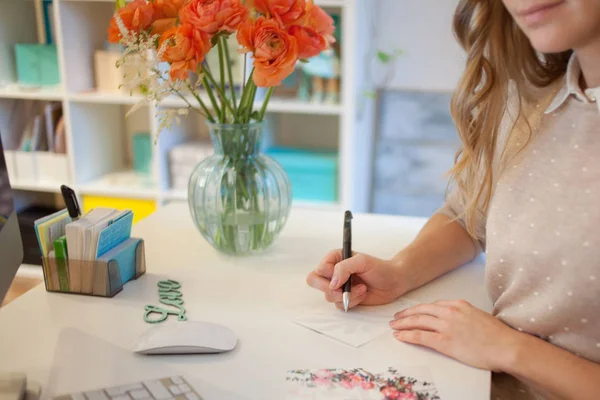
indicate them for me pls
(186, 338)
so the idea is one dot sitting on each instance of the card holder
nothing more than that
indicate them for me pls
(103, 277)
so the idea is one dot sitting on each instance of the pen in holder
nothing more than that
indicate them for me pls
(103, 277)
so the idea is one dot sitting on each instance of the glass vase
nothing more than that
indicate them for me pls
(239, 198)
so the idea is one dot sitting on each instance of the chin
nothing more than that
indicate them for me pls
(550, 43)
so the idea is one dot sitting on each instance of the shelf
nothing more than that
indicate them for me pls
(322, 3)
(127, 184)
(181, 195)
(105, 98)
(294, 106)
(49, 93)
(276, 105)
(36, 186)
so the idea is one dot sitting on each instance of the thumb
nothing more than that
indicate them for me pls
(358, 264)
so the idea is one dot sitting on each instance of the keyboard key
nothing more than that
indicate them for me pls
(185, 388)
(175, 390)
(177, 380)
(115, 391)
(121, 397)
(192, 396)
(158, 390)
(77, 396)
(140, 394)
(96, 395)
(135, 386)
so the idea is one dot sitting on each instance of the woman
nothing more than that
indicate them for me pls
(527, 187)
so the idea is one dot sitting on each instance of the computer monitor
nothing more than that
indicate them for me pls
(11, 246)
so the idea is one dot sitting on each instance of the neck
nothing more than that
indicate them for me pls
(589, 59)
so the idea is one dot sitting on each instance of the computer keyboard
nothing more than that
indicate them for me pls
(173, 388)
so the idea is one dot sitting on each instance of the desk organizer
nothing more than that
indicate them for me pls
(103, 277)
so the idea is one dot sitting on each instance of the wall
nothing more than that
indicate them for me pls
(416, 139)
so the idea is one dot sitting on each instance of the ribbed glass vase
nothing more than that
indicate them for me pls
(239, 198)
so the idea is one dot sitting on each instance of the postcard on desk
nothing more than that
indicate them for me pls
(358, 326)
(413, 383)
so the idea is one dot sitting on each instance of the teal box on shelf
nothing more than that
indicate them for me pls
(142, 152)
(313, 174)
(37, 64)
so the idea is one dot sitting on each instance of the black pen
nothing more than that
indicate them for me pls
(347, 253)
(71, 202)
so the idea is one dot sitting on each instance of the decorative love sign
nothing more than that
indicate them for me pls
(169, 295)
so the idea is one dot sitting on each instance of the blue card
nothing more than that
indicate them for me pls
(115, 233)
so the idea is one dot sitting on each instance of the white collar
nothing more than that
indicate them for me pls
(572, 88)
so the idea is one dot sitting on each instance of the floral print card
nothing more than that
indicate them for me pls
(360, 384)
(358, 326)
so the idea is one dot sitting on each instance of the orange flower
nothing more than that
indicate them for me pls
(167, 8)
(286, 11)
(275, 52)
(186, 48)
(310, 43)
(319, 21)
(137, 16)
(214, 16)
(165, 14)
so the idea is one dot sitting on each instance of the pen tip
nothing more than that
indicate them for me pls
(346, 300)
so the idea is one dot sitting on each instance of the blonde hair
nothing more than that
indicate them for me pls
(498, 54)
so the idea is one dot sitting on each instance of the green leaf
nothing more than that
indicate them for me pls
(370, 95)
(384, 57)
(119, 4)
(303, 60)
(255, 116)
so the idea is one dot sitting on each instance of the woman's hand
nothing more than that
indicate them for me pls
(461, 331)
(374, 281)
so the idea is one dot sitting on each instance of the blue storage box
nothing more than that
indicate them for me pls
(313, 174)
(142, 152)
(37, 64)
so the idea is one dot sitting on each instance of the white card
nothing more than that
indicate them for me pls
(412, 383)
(358, 326)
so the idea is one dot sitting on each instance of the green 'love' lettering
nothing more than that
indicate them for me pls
(170, 296)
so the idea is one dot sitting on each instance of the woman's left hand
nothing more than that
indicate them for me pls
(458, 330)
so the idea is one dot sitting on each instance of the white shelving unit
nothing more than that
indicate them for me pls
(98, 133)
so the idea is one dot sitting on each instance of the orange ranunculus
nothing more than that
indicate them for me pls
(286, 11)
(137, 16)
(185, 49)
(317, 19)
(275, 52)
(310, 43)
(165, 14)
(167, 8)
(214, 16)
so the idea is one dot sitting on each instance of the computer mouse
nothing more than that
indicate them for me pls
(186, 337)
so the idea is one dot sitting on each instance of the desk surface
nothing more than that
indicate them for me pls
(69, 343)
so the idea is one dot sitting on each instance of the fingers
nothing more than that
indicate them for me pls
(325, 267)
(418, 322)
(336, 296)
(357, 296)
(316, 281)
(434, 310)
(357, 264)
(419, 337)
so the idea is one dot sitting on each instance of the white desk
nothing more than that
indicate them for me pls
(69, 342)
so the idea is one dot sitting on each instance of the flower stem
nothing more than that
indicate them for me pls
(222, 97)
(265, 103)
(221, 64)
(215, 105)
(230, 73)
(208, 115)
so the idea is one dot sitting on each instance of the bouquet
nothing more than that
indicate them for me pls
(166, 43)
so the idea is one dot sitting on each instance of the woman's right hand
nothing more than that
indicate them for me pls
(374, 281)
